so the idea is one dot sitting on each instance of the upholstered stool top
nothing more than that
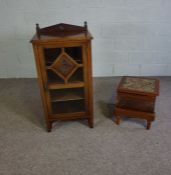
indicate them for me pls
(139, 85)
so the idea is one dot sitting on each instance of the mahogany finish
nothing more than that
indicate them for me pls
(63, 60)
(136, 98)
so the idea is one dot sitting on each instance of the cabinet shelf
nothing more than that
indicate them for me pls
(68, 107)
(67, 94)
(50, 62)
(65, 86)
(76, 77)
(48, 67)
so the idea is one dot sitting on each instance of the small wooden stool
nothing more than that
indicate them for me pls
(136, 98)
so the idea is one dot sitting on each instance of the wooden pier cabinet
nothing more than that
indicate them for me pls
(63, 60)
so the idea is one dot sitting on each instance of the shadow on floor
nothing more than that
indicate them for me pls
(107, 109)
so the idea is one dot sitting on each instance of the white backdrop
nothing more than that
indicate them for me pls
(131, 37)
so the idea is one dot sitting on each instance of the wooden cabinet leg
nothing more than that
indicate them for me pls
(148, 125)
(49, 126)
(118, 120)
(90, 122)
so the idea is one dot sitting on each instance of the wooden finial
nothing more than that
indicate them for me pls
(38, 30)
(86, 27)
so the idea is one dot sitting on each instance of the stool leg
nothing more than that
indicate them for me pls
(148, 125)
(118, 120)
(49, 126)
(90, 122)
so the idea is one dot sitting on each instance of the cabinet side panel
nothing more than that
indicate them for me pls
(84, 54)
(44, 78)
(90, 80)
(41, 85)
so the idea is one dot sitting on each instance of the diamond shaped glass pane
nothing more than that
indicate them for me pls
(64, 65)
